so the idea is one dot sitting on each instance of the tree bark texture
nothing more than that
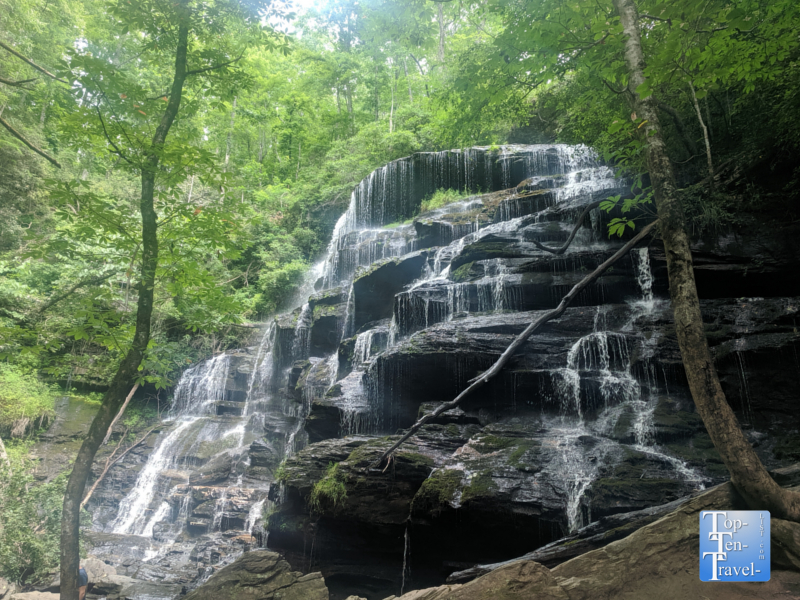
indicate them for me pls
(748, 474)
(128, 369)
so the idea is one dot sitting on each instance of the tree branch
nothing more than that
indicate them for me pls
(70, 291)
(484, 377)
(117, 151)
(30, 62)
(21, 138)
(110, 463)
(644, 16)
(571, 237)
(121, 412)
(17, 83)
(225, 64)
(679, 125)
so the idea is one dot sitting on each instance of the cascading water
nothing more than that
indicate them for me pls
(238, 415)
(199, 389)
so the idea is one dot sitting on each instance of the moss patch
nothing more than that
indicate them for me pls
(329, 493)
(481, 486)
(437, 491)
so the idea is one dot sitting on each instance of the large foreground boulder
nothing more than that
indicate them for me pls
(657, 562)
(261, 575)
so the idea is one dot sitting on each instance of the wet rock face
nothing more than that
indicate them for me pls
(589, 426)
(591, 421)
(375, 288)
(261, 575)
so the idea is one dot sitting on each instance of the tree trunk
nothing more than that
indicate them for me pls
(228, 139)
(393, 88)
(408, 82)
(705, 136)
(3, 454)
(128, 369)
(441, 33)
(748, 475)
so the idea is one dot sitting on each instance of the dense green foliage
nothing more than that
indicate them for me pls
(30, 521)
(269, 146)
(24, 401)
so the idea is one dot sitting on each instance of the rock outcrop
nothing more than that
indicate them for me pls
(659, 562)
(587, 436)
(261, 575)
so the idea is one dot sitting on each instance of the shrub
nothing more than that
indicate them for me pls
(30, 521)
(442, 197)
(24, 400)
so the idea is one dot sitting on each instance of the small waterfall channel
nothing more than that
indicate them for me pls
(403, 310)
(197, 502)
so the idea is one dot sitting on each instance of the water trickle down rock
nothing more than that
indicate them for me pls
(592, 418)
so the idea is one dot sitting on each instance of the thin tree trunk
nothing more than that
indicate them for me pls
(421, 72)
(705, 136)
(377, 93)
(441, 33)
(408, 82)
(348, 96)
(492, 371)
(4, 454)
(391, 110)
(228, 140)
(191, 187)
(299, 152)
(128, 368)
(749, 476)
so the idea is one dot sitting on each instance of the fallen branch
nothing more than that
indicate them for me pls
(484, 377)
(589, 207)
(22, 139)
(120, 413)
(110, 463)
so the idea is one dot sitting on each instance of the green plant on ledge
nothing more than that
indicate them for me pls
(329, 493)
(281, 474)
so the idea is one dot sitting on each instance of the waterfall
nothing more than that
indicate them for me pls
(302, 333)
(585, 399)
(132, 510)
(644, 277)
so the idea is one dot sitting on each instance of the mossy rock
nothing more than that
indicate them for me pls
(488, 248)
(438, 491)
(481, 486)
(468, 272)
